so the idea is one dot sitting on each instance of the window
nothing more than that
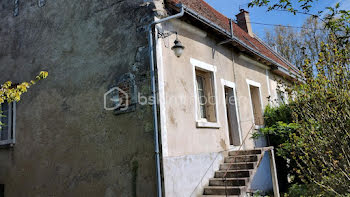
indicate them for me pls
(8, 120)
(256, 102)
(280, 97)
(204, 82)
(206, 100)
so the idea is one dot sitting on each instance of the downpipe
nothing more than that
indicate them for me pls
(154, 95)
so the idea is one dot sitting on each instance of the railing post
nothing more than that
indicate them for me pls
(276, 191)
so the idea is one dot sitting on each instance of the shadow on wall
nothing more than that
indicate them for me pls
(262, 180)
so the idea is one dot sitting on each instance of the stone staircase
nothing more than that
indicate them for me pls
(233, 177)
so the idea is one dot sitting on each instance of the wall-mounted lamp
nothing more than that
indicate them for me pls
(178, 48)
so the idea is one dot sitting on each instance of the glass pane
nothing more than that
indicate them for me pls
(201, 96)
(200, 82)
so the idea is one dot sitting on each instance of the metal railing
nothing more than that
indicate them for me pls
(211, 165)
(272, 165)
(224, 178)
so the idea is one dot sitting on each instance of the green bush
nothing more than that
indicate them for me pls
(302, 190)
(278, 128)
(320, 144)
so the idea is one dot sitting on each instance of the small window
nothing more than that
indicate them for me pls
(280, 97)
(8, 118)
(206, 98)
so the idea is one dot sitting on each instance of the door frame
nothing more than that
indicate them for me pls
(233, 86)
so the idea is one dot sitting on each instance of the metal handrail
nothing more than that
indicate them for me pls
(224, 178)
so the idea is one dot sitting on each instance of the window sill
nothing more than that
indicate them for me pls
(201, 124)
(7, 144)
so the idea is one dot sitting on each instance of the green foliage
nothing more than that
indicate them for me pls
(11, 93)
(305, 5)
(275, 114)
(320, 145)
(279, 126)
(302, 190)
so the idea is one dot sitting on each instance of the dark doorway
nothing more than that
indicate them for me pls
(232, 116)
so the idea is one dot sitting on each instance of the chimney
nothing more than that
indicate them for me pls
(243, 22)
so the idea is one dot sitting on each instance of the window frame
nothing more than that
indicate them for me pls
(201, 66)
(257, 85)
(11, 124)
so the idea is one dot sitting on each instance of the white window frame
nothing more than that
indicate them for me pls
(233, 86)
(11, 124)
(258, 85)
(203, 123)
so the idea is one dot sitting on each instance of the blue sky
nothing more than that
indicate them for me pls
(260, 15)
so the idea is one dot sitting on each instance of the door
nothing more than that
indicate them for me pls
(232, 116)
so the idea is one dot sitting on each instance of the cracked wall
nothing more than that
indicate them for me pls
(67, 144)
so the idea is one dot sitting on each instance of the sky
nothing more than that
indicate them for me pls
(260, 15)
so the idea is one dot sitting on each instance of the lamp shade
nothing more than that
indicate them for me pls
(178, 48)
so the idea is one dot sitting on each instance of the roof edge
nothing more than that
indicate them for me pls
(233, 38)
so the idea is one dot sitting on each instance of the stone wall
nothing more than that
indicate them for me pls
(66, 143)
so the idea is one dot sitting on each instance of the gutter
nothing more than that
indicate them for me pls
(154, 95)
(233, 38)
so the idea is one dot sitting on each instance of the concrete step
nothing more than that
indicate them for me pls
(229, 182)
(245, 152)
(233, 174)
(241, 158)
(237, 166)
(219, 190)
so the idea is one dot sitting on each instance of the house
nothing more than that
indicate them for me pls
(225, 63)
(91, 128)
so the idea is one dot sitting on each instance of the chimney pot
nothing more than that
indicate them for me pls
(243, 21)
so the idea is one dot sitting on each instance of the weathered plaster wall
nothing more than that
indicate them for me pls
(184, 138)
(262, 180)
(185, 176)
(67, 144)
(189, 148)
(246, 70)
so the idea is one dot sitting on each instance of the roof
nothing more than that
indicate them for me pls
(209, 13)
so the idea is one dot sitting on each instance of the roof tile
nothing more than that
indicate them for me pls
(221, 20)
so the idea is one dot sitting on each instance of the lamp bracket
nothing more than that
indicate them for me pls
(166, 34)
